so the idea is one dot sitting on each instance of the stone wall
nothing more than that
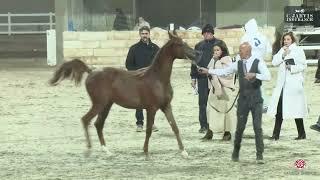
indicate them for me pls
(111, 48)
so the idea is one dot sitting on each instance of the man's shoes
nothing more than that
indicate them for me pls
(203, 130)
(154, 128)
(315, 127)
(139, 128)
(300, 137)
(226, 136)
(208, 135)
(317, 81)
(265, 108)
(259, 159)
(235, 155)
(274, 137)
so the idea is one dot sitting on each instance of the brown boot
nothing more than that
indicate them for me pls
(208, 135)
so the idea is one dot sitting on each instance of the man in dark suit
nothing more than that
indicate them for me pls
(251, 72)
(141, 55)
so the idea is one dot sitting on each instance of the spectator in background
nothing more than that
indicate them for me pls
(288, 99)
(200, 81)
(317, 76)
(141, 55)
(120, 22)
(259, 43)
(141, 22)
(261, 47)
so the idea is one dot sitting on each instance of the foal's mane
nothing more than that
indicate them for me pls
(156, 60)
(163, 48)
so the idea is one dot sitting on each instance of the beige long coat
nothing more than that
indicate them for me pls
(221, 98)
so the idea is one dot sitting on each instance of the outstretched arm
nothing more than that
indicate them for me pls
(220, 72)
(226, 71)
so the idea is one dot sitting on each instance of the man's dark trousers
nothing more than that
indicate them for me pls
(139, 117)
(250, 100)
(203, 99)
(246, 105)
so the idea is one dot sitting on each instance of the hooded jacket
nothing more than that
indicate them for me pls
(259, 43)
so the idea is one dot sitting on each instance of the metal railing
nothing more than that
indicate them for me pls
(27, 27)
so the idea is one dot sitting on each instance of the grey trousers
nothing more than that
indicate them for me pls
(244, 107)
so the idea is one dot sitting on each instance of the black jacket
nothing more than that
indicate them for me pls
(205, 46)
(318, 70)
(141, 55)
(120, 22)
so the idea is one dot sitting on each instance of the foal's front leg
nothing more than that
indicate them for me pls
(168, 113)
(150, 120)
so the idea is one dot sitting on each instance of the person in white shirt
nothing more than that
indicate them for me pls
(261, 46)
(251, 72)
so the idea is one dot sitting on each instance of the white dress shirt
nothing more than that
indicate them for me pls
(263, 73)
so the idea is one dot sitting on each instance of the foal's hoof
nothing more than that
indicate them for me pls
(147, 158)
(87, 152)
(106, 150)
(184, 154)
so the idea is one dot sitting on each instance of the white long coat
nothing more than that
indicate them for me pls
(292, 82)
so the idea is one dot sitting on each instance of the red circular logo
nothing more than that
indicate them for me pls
(300, 164)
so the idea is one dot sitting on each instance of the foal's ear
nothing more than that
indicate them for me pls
(175, 33)
(172, 34)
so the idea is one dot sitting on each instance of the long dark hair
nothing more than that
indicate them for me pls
(288, 34)
(223, 48)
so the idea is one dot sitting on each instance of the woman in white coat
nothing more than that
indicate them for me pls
(288, 99)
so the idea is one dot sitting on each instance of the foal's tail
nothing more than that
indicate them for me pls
(72, 69)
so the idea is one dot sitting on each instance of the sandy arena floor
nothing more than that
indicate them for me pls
(41, 137)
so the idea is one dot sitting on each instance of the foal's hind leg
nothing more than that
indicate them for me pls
(99, 125)
(95, 109)
(150, 120)
(168, 113)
